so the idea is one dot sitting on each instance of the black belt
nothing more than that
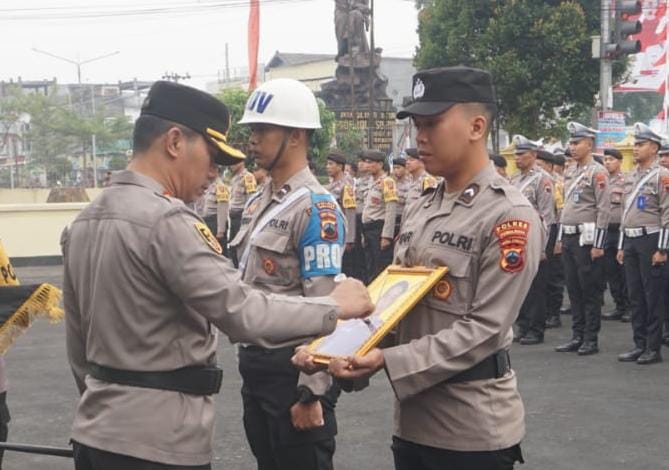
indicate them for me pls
(199, 380)
(373, 225)
(236, 212)
(492, 367)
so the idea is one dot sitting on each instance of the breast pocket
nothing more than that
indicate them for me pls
(452, 294)
(616, 196)
(273, 260)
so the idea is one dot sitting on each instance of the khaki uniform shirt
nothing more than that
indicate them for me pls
(650, 206)
(403, 185)
(490, 238)
(298, 250)
(362, 186)
(144, 286)
(537, 186)
(381, 204)
(587, 198)
(344, 192)
(216, 201)
(419, 185)
(558, 195)
(243, 185)
(617, 185)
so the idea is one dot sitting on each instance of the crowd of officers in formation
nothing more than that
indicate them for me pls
(605, 228)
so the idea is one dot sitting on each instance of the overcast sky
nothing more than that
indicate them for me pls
(182, 36)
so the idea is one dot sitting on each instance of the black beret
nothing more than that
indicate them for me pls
(615, 153)
(558, 159)
(196, 110)
(546, 156)
(437, 90)
(412, 153)
(337, 157)
(598, 158)
(373, 155)
(399, 161)
(498, 160)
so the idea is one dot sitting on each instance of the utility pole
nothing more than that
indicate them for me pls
(175, 77)
(372, 77)
(351, 69)
(605, 62)
(227, 64)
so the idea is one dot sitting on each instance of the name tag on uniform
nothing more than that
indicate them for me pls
(577, 196)
(641, 202)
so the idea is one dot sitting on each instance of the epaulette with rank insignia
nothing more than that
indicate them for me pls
(429, 182)
(389, 190)
(222, 193)
(250, 184)
(348, 197)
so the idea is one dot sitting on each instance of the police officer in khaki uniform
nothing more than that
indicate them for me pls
(216, 209)
(644, 241)
(421, 180)
(290, 242)
(144, 305)
(243, 186)
(555, 284)
(342, 188)
(378, 215)
(614, 272)
(500, 164)
(583, 226)
(362, 183)
(402, 183)
(537, 186)
(457, 402)
(664, 161)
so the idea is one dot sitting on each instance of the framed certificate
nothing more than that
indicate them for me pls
(394, 292)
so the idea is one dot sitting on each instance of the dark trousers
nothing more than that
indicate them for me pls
(583, 276)
(532, 316)
(353, 261)
(411, 456)
(235, 224)
(614, 272)
(89, 458)
(268, 392)
(378, 259)
(646, 285)
(4, 422)
(554, 276)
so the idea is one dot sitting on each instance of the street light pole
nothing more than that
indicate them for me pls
(78, 64)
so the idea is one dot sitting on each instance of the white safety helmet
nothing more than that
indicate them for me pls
(283, 102)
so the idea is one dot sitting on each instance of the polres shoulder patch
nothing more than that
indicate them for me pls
(208, 237)
(512, 238)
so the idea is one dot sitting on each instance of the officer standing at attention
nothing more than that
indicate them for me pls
(582, 238)
(537, 186)
(500, 165)
(555, 284)
(614, 272)
(291, 242)
(378, 215)
(342, 188)
(457, 402)
(215, 210)
(644, 241)
(144, 305)
(664, 161)
(362, 183)
(421, 180)
(243, 187)
(402, 183)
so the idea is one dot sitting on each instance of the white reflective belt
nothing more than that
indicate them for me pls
(276, 210)
(640, 231)
(570, 229)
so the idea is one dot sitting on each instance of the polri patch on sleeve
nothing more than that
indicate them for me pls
(512, 238)
(665, 183)
(209, 239)
(321, 245)
(601, 180)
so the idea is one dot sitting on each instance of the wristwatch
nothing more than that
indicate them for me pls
(305, 395)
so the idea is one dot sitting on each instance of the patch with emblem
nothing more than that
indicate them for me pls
(389, 190)
(469, 193)
(250, 183)
(269, 266)
(418, 89)
(429, 183)
(251, 208)
(512, 237)
(209, 239)
(601, 178)
(664, 181)
(442, 290)
(329, 231)
(548, 185)
(222, 193)
(348, 197)
(321, 245)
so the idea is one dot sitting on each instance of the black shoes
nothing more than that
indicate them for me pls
(612, 316)
(571, 346)
(626, 317)
(553, 322)
(630, 356)
(565, 311)
(531, 339)
(649, 357)
(588, 348)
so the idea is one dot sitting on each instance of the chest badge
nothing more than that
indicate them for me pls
(469, 193)
(443, 289)
(269, 266)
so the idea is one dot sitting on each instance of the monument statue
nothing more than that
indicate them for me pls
(351, 25)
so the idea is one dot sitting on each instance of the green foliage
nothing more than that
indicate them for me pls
(350, 141)
(322, 138)
(235, 100)
(539, 54)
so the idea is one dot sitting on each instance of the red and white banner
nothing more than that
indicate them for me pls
(253, 42)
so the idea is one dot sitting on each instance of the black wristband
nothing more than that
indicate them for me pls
(305, 395)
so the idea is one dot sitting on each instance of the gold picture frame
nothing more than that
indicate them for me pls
(394, 292)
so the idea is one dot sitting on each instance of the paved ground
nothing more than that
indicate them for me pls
(582, 413)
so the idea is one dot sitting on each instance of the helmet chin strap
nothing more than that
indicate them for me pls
(280, 152)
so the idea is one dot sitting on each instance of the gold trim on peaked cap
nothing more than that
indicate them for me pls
(229, 155)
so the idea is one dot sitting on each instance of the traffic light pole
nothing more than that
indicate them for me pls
(605, 63)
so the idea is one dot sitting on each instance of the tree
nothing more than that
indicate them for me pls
(322, 139)
(235, 99)
(539, 54)
(350, 141)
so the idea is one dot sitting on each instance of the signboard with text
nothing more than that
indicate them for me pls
(611, 126)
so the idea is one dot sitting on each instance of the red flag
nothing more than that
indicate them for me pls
(254, 41)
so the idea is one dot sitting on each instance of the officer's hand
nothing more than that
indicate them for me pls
(596, 253)
(307, 415)
(353, 299)
(620, 256)
(659, 259)
(385, 243)
(349, 246)
(558, 248)
(304, 361)
(357, 367)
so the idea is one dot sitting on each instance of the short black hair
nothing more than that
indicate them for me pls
(489, 110)
(148, 128)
